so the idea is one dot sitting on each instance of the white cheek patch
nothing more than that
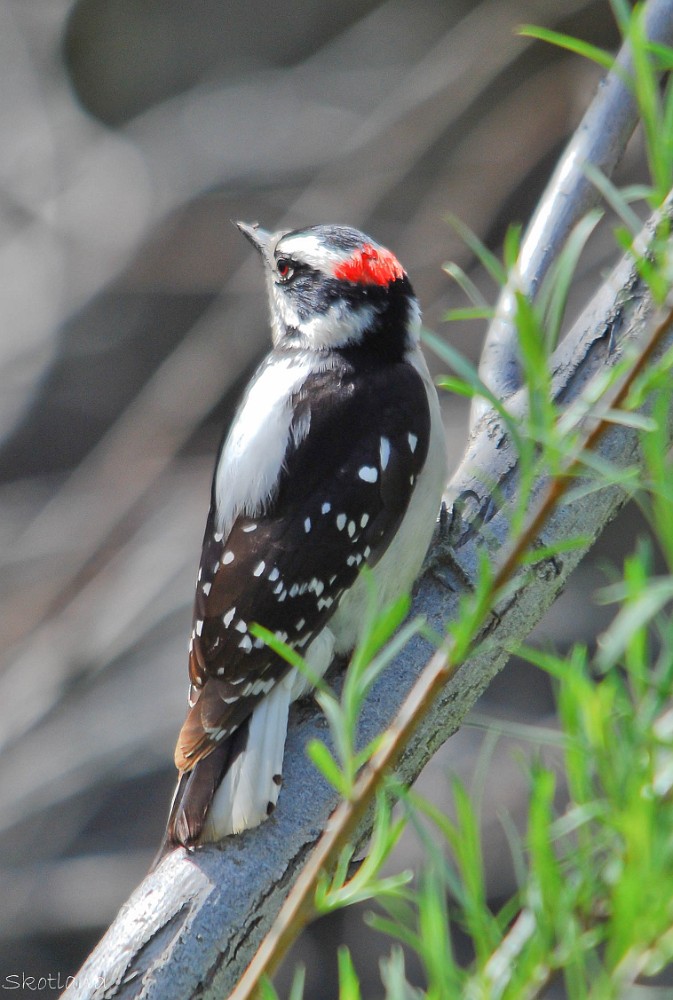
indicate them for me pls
(338, 326)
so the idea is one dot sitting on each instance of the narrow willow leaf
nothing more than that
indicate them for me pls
(576, 45)
(488, 259)
(327, 765)
(349, 984)
(633, 616)
(456, 272)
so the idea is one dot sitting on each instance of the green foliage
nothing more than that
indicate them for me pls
(594, 905)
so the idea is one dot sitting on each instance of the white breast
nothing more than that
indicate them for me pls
(253, 453)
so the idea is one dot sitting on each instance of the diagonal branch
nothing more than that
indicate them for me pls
(193, 925)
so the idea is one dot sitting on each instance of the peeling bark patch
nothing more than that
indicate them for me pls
(145, 958)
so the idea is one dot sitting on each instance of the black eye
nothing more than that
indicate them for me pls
(284, 268)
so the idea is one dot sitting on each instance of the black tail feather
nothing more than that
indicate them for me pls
(195, 791)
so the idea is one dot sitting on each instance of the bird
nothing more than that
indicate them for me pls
(335, 460)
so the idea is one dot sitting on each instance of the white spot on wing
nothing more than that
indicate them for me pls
(274, 574)
(198, 628)
(259, 569)
(241, 626)
(341, 521)
(364, 520)
(384, 452)
(245, 643)
(227, 558)
(206, 588)
(368, 473)
(262, 687)
(229, 617)
(250, 527)
(307, 525)
(413, 441)
(351, 528)
(326, 508)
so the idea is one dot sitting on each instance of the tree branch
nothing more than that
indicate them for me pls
(192, 926)
(599, 140)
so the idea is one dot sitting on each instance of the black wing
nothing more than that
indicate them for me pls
(340, 498)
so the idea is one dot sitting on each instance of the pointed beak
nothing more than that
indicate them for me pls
(260, 238)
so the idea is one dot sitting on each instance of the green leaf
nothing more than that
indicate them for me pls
(553, 296)
(456, 386)
(328, 767)
(576, 45)
(349, 984)
(542, 552)
(663, 55)
(456, 272)
(475, 312)
(487, 259)
(633, 616)
(267, 990)
(616, 199)
(467, 372)
(624, 418)
(393, 977)
(298, 982)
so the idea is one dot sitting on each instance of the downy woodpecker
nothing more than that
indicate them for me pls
(334, 460)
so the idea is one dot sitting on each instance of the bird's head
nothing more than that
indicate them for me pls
(333, 288)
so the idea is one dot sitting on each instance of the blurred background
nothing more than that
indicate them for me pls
(131, 312)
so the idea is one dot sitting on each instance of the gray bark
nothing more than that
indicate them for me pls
(193, 925)
(599, 140)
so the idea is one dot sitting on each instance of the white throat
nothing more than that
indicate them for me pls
(336, 327)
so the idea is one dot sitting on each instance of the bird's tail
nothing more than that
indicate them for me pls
(236, 785)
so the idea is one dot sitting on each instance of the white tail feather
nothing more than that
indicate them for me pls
(248, 791)
(250, 788)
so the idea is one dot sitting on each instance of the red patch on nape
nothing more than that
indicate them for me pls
(370, 266)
